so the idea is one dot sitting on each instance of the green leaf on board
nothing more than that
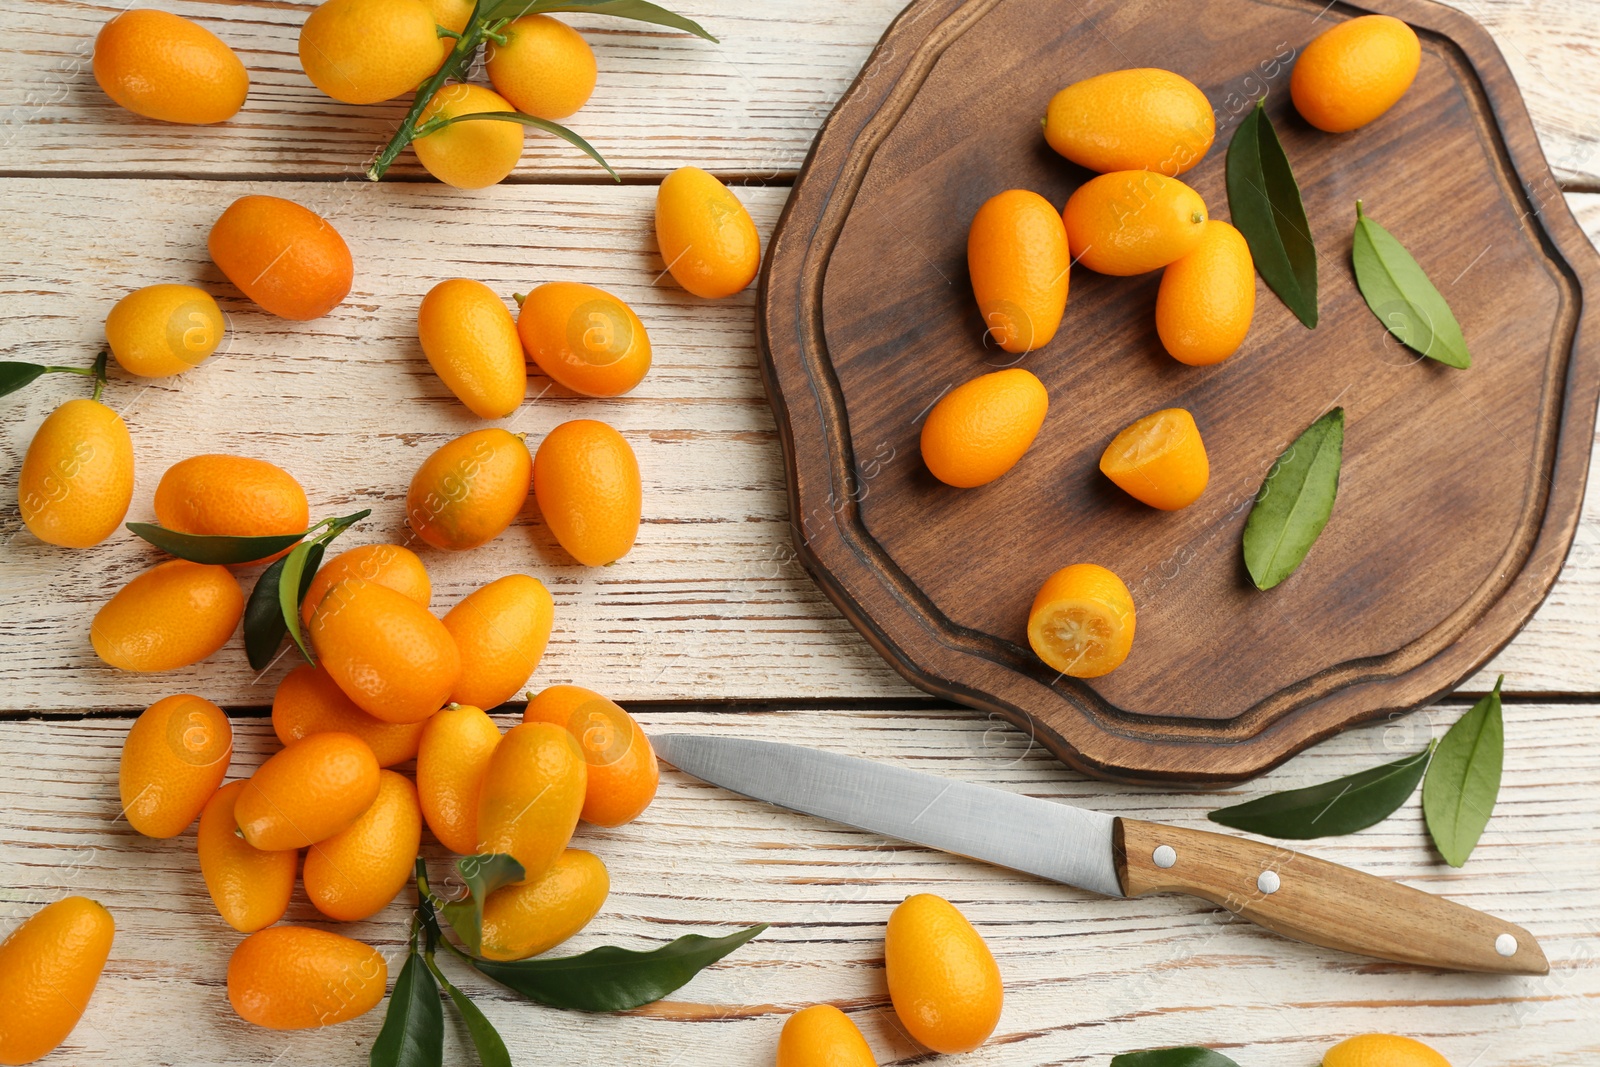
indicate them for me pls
(1295, 502)
(637, 10)
(526, 120)
(413, 1026)
(214, 548)
(483, 874)
(264, 627)
(1183, 1056)
(1464, 779)
(1264, 202)
(1399, 293)
(492, 1051)
(1329, 809)
(611, 978)
(14, 376)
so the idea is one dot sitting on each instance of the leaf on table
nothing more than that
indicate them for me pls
(264, 628)
(491, 1048)
(1464, 779)
(637, 10)
(413, 1026)
(1295, 502)
(1399, 293)
(1264, 202)
(1330, 809)
(298, 565)
(214, 548)
(483, 874)
(1182, 1056)
(14, 376)
(611, 978)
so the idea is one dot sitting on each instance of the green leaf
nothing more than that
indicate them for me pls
(1185, 1056)
(14, 376)
(213, 548)
(1341, 806)
(413, 1026)
(486, 1039)
(610, 978)
(1264, 200)
(1464, 780)
(1399, 293)
(526, 120)
(295, 566)
(1294, 502)
(483, 874)
(263, 613)
(637, 10)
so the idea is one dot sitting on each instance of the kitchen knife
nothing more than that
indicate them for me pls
(1286, 891)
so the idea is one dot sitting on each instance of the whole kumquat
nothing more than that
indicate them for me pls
(1140, 119)
(706, 237)
(524, 920)
(286, 258)
(394, 566)
(165, 67)
(358, 870)
(1018, 259)
(979, 430)
(296, 978)
(545, 67)
(174, 614)
(470, 490)
(162, 330)
(1133, 222)
(368, 51)
(584, 338)
(1082, 621)
(822, 1036)
(471, 343)
(77, 476)
(308, 701)
(457, 744)
(308, 792)
(173, 760)
(586, 481)
(1382, 1050)
(1207, 298)
(623, 774)
(233, 495)
(532, 796)
(1355, 71)
(250, 887)
(501, 631)
(943, 980)
(473, 154)
(49, 967)
(389, 654)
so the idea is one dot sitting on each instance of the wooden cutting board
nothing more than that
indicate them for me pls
(1460, 491)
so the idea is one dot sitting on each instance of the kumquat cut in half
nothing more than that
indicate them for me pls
(1082, 621)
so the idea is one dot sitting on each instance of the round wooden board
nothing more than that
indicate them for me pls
(1461, 489)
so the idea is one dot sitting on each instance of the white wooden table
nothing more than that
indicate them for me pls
(709, 624)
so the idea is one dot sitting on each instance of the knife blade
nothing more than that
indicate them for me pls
(1289, 892)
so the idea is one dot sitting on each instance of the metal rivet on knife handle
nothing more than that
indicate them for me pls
(1164, 856)
(1268, 882)
(1506, 945)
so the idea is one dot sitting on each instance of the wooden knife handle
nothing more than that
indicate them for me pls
(1323, 903)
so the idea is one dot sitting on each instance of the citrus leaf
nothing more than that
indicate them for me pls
(1184, 1056)
(1264, 201)
(611, 978)
(637, 10)
(492, 1051)
(526, 120)
(296, 565)
(1295, 502)
(1464, 780)
(1399, 293)
(413, 1025)
(1330, 809)
(14, 376)
(213, 548)
(483, 874)
(263, 615)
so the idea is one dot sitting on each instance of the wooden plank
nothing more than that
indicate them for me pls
(747, 107)
(709, 606)
(1085, 977)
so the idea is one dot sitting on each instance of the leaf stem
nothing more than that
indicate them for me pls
(455, 65)
(99, 372)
